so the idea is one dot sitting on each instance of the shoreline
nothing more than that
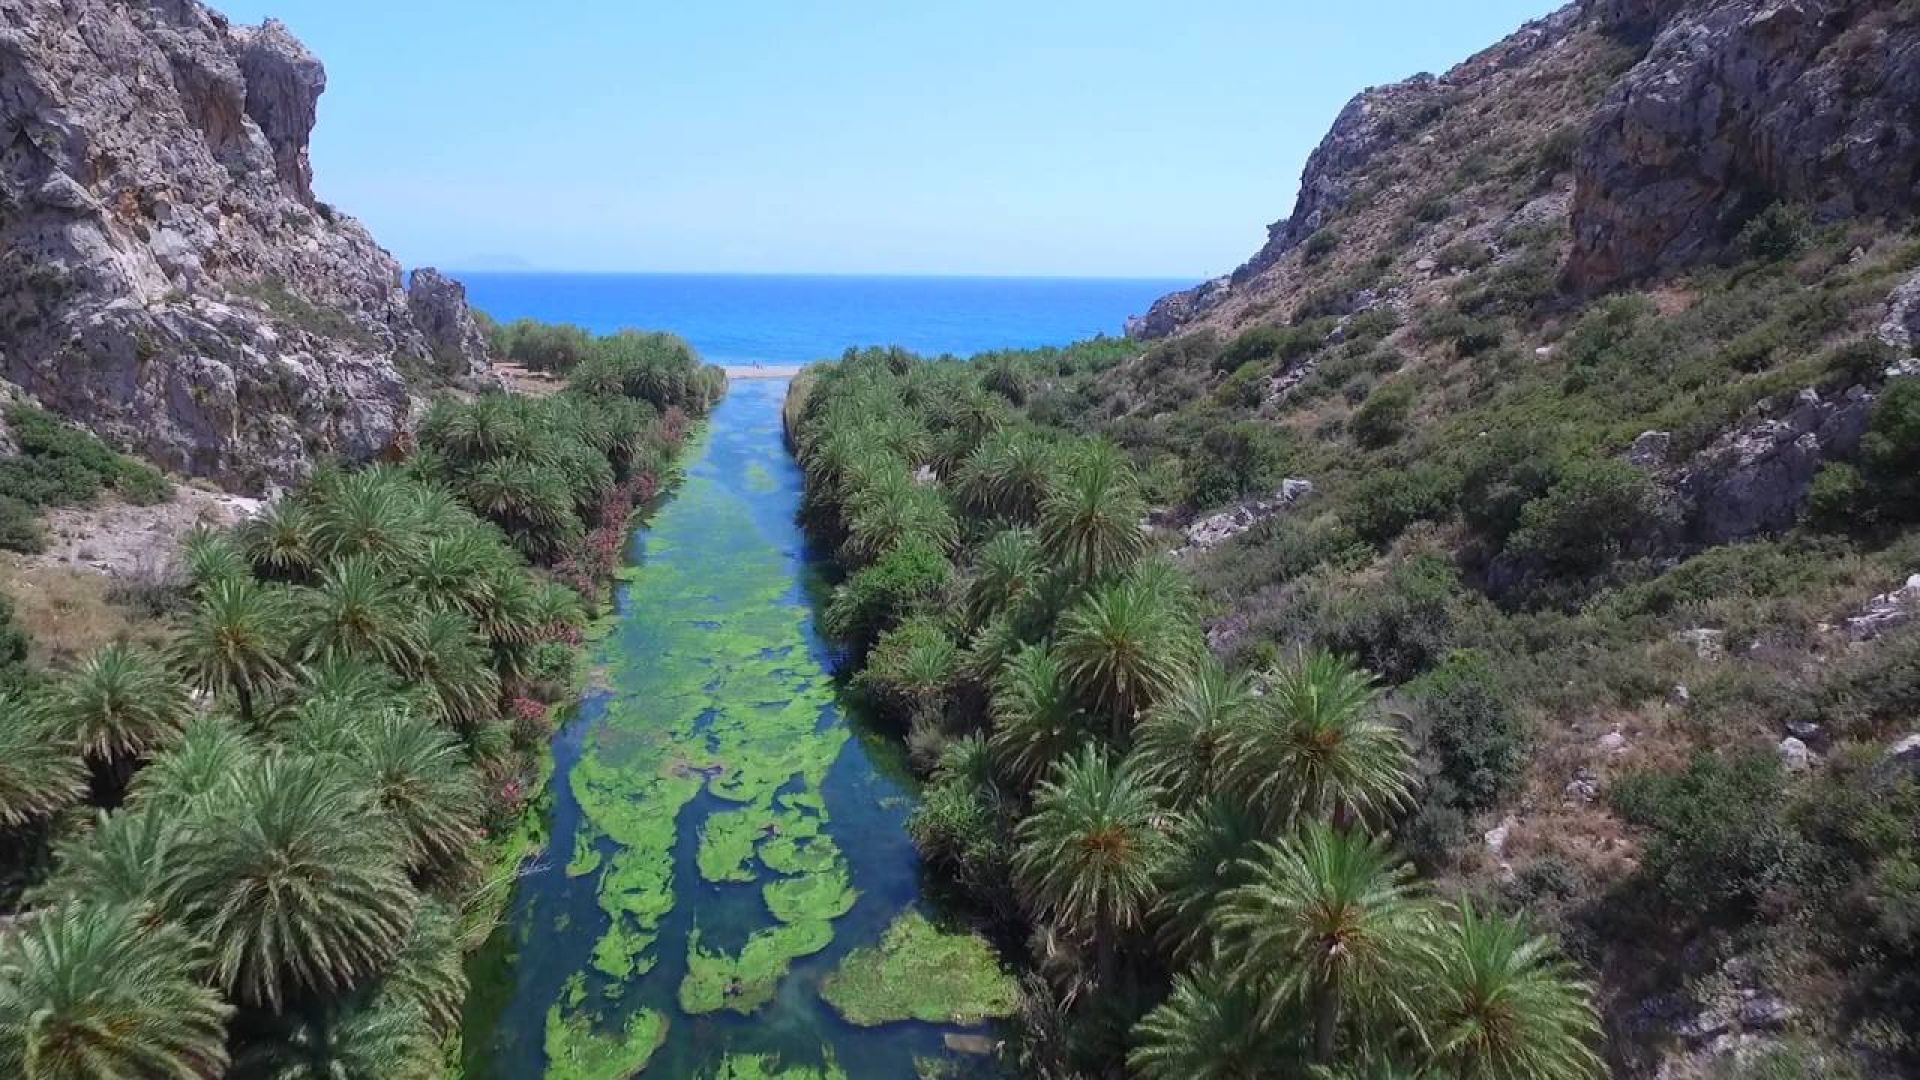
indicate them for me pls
(762, 371)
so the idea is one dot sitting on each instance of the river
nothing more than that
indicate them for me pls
(721, 834)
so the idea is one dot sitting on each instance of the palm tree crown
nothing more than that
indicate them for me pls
(1325, 918)
(295, 882)
(1502, 1005)
(94, 992)
(1318, 749)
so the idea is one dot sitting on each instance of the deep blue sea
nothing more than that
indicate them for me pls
(782, 319)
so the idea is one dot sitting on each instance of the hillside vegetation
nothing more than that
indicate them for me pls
(1616, 513)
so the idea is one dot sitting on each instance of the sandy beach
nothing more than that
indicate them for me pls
(764, 371)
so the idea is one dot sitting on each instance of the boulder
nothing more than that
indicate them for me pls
(1215, 529)
(1754, 478)
(1795, 756)
(1886, 611)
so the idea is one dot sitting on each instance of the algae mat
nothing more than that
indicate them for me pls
(720, 840)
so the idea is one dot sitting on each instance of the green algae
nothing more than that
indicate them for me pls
(576, 1051)
(817, 897)
(921, 972)
(586, 857)
(743, 983)
(768, 1067)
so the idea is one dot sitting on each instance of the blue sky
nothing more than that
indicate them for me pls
(1058, 137)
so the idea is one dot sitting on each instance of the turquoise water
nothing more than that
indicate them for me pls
(734, 319)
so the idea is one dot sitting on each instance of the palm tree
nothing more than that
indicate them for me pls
(456, 571)
(122, 860)
(40, 773)
(1501, 1004)
(372, 513)
(1318, 749)
(1207, 1029)
(1036, 721)
(1006, 568)
(210, 557)
(365, 1038)
(1009, 475)
(891, 508)
(453, 663)
(280, 541)
(532, 502)
(96, 992)
(356, 611)
(431, 973)
(295, 883)
(118, 707)
(422, 785)
(1185, 740)
(1124, 648)
(1089, 852)
(351, 682)
(209, 754)
(237, 641)
(1206, 859)
(1090, 519)
(1325, 918)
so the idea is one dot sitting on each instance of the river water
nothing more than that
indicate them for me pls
(721, 833)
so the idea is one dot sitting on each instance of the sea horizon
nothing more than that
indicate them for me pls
(771, 318)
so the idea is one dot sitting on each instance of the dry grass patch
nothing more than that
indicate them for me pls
(69, 613)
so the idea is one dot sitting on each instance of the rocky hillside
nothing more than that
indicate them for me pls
(1577, 399)
(1648, 132)
(168, 277)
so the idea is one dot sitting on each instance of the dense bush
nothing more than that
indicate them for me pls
(1382, 418)
(1594, 509)
(59, 465)
(1384, 502)
(1716, 841)
(1473, 731)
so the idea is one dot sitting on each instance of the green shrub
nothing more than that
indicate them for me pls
(1231, 462)
(1779, 232)
(1716, 843)
(1463, 255)
(1400, 627)
(1320, 245)
(1474, 733)
(1890, 453)
(20, 526)
(1837, 500)
(1262, 344)
(910, 577)
(1584, 521)
(1381, 504)
(1382, 418)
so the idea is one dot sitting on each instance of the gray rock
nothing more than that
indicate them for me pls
(169, 280)
(1614, 742)
(1584, 787)
(453, 337)
(1886, 611)
(1679, 697)
(1706, 644)
(1649, 449)
(1901, 326)
(1733, 102)
(1216, 529)
(1795, 756)
(1906, 752)
(1754, 479)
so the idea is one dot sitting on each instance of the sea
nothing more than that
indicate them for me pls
(796, 319)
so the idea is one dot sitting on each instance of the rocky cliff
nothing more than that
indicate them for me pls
(169, 278)
(1650, 130)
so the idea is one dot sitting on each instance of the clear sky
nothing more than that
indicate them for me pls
(1060, 137)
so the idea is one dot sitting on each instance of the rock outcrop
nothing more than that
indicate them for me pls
(1678, 119)
(167, 276)
(455, 342)
(1739, 103)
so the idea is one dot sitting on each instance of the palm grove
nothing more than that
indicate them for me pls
(1204, 859)
(262, 851)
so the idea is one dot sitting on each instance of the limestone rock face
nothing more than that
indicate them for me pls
(455, 342)
(1738, 103)
(166, 275)
(1755, 478)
